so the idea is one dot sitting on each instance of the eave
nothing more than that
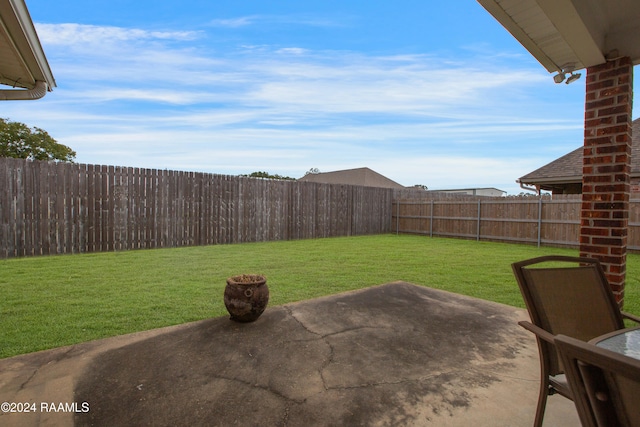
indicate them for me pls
(23, 63)
(564, 34)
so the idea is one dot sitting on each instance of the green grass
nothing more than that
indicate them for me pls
(53, 301)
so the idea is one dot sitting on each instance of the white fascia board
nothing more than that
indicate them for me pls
(494, 8)
(586, 45)
(34, 57)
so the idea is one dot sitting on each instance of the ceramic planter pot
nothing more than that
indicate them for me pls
(246, 297)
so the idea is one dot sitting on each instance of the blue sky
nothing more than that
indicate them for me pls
(431, 93)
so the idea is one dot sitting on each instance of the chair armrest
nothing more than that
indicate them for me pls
(538, 331)
(630, 316)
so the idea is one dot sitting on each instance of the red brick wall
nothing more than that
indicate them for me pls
(606, 167)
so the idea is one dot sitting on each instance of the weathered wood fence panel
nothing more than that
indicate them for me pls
(60, 208)
(543, 221)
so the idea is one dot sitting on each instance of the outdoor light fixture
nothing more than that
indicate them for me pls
(562, 74)
(573, 77)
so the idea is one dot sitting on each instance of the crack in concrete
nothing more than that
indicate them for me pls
(28, 380)
(326, 364)
(298, 321)
(260, 387)
(329, 359)
(355, 328)
(323, 337)
(57, 359)
(285, 417)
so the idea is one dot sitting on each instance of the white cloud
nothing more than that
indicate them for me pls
(94, 35)
(271, 20)
(280, 79)
(292, 51)
(110, 94)
(153, 99)
(234, 22)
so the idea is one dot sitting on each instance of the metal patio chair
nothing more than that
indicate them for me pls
(605, 384)
(570, 297)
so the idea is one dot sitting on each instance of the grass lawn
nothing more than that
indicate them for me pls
(59, 300)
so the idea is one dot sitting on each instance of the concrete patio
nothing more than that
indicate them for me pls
(391, 355)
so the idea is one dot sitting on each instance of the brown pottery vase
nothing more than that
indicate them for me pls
(246, 296)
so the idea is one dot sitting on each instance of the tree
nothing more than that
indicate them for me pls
(19, 141)
(267, 175)
(313, 171)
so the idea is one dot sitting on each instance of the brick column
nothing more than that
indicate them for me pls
(606, 168)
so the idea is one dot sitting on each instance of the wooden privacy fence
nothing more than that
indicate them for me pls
(543, 221)
(60, 208)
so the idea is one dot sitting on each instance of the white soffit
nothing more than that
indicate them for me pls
(22, 60)
(579, 32)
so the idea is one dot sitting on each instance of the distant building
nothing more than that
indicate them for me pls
(361, 176)
(488, 192)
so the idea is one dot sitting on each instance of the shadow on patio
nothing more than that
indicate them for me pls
(395, 354)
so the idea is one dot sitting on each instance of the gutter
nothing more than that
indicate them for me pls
(37, 92)
(524, 187)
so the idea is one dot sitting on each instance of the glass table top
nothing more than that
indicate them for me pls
(626, 341)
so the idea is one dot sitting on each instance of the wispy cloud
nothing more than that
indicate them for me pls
(78, 34)
(271, 20)
(242, 21)
(274, 79)
(166, 99)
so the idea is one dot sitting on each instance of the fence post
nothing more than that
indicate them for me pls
(478, 225)
(397, 217)
(431, 221)
(540, 221)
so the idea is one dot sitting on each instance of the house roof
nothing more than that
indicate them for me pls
(360, 176)
(583, 33)
(23, 63)
(568, 168)
(467, 190)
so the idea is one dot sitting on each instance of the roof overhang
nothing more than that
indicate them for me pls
(23, 63)
(551, 181)
(575, 34)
